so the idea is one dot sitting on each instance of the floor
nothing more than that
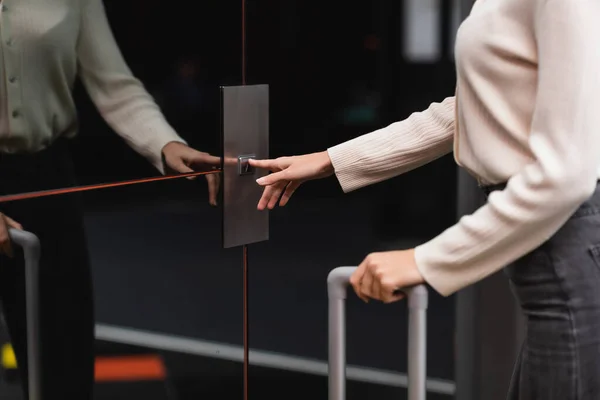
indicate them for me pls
(193, 378)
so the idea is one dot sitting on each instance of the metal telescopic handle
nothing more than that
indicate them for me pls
(337, 282)
(31, 251)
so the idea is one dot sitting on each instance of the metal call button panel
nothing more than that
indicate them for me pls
(245, 136)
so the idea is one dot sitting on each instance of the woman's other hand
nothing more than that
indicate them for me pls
(7, 223)
(287, 174)
(184, 160)
(381, 276)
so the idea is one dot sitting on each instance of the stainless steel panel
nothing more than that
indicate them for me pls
(245, 134)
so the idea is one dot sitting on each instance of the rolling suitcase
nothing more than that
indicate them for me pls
(337, 285)
(31, 251)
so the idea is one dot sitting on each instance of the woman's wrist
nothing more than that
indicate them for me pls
(326, 165)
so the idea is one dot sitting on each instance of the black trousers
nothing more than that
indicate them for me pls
(558, 288)
(67, 319)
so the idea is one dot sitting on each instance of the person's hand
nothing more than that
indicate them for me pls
(5, 224)
(288, 173)
(381, 275)
(214, 182)
(183, 159)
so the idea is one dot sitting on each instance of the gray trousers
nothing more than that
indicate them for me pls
(558, 288)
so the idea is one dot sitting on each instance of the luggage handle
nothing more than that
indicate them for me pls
(337, 285)
(31, 252)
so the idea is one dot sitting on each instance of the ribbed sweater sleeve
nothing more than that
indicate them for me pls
(396, 149)
(120, 98)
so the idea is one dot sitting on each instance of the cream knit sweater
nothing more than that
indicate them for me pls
(526, 112)
(43, 46)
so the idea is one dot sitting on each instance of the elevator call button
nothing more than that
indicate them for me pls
(244, 167)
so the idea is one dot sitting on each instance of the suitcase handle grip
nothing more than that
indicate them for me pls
(337, 287)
